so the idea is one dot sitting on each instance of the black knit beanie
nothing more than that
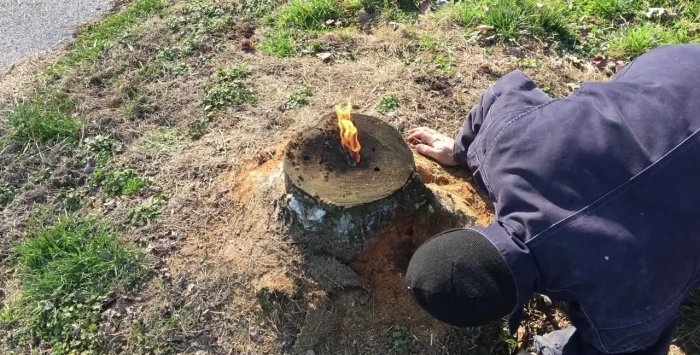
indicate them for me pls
(460, 278)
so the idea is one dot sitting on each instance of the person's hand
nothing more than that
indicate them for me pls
(432, 144)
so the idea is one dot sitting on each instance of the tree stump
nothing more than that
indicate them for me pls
(338, 207)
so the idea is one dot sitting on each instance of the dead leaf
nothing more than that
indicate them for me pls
(600, 61)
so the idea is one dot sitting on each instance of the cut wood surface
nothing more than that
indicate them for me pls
(317, 165)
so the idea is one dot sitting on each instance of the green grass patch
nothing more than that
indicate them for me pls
(641, 38)
(96, 38)
(228, 88)
(45, 118)
(586, 27)
(298, 98)
(65, 271)
(309, 14)
(280, 43)
(388, 103)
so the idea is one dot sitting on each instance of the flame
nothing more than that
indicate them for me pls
(348, 132)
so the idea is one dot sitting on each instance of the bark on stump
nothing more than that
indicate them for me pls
(338, 207)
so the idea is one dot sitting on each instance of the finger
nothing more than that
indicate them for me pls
(427, 151)
(422, 136)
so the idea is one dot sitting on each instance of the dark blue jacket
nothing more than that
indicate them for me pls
(597, 195)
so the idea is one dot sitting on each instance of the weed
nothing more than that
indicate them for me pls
(45, 118)
(445, 64)
(228, 88)
(101, 144)
(65, 271)
(279, 43)
(122, 183)
(309, 14)
(400, 340)
(71, 201)
(197, 128)
(298, 98)
(96, 38)
(388, 103)
(149, 210)
(7, 194)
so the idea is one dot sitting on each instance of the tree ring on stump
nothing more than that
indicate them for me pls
(342, 204)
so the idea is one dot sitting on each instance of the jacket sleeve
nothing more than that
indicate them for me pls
(512, 94)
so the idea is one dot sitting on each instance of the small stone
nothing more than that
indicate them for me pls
(441, 3)
(364, 18)
(325, 56)
(178, 338)
(307, 52)
(310, 352)
(89, 168)
(394, 25)
(330, 22)
(514, 51)
(425, 6)
(489, 40)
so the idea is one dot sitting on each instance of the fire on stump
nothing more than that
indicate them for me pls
(344, 195)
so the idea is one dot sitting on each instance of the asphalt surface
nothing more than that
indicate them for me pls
(30, 26)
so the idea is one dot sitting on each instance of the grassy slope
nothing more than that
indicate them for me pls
(157, 102)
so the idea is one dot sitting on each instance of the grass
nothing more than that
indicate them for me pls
(45, 118)
(97, 37)
(586, 27)
(65, 271)
(123, 182)
(229, 88)
(641, 38)
(309, 14)
(279, 43)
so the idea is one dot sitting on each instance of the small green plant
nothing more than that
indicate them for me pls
(45, 118)
(309, 14)
(122, 183)
(7, 194)
(101, 144)
(400, 340)
(71, 201)
(149, 210)
(298, 98)
(65, 270)
(228, 88)
(445, 64)
(388, 103)
(279, 43)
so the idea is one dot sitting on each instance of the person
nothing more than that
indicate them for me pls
(597, 204)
